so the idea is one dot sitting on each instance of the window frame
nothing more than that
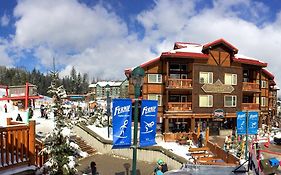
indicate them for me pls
(158, 98)
(232, 106)
(208, 99)
(158, 76)
(210, 75)
(233, 77)
(263, 84)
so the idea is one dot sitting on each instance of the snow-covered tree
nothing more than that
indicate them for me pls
(62, 152)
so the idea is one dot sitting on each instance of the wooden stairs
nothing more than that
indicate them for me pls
(83, 145)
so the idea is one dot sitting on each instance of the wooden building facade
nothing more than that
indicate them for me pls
(206, 84)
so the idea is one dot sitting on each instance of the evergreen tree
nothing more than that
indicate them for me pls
(61, 150)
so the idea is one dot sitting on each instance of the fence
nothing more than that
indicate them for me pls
(18, 145)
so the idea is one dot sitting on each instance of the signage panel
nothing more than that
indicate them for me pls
(122, 120)
(149, 110)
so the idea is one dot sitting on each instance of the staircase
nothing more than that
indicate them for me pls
(83, 145)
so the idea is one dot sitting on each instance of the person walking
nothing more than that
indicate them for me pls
(5, 107)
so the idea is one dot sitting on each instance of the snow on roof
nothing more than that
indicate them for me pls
(249, 60)
(104, 83)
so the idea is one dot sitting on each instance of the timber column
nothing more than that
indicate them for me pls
(166, 124)
(192, 127)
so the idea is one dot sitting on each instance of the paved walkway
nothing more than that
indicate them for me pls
(113, 165)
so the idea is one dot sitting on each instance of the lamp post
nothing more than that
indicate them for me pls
(137, 80)
(108, 101)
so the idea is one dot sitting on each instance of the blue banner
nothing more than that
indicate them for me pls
(241, 122)
(148, 122)
(253, 122)
(122, 121)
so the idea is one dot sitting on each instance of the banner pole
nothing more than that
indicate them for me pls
(246, 146)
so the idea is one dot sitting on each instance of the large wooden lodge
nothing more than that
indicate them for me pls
(193, 83)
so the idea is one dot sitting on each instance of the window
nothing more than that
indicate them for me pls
(205, 101)
(156, 97)
(263, 101)
(230, 101)
(230, 79)
(154, 78)
(263, 84)
(206, 77)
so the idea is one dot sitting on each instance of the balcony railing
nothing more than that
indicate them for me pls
(179, 106)
(250, 106)
(251, 86)
(179, 83)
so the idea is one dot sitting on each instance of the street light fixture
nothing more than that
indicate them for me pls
(108, 101)
(137, 80)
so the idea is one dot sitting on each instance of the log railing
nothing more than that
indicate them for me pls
(179, 106)
(17, 145)
(250, 106)
(179, 83)
(251, 86)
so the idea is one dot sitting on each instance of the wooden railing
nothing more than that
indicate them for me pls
(40, 158)
(251, 86)
(179, 106)
(17, 145)
(250, 106)
(179, 83)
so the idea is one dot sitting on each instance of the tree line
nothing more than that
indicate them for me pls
(75, 83)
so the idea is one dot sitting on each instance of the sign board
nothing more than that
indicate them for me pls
(218, 114)
(241, 122)
(122, 121)
(253, 121)
(149, 110)
(217, 87)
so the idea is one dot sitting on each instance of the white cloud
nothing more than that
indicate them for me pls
(4, 20)
(64, 24)
(5, 59)
(223, 20)
(96, 41)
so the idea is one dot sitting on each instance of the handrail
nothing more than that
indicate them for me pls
(179, 83)
(16, 144)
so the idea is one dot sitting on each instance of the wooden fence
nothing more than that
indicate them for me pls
(18, 145)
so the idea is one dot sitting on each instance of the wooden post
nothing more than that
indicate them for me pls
(192, 124)
(9, 120)
(32, 142)
(166, 124)
(26, 95)
(207, 136)
(198, 130)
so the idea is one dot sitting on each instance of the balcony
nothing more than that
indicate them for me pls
(250, 106)
(179, 106)
(247, 86)
(179, 83)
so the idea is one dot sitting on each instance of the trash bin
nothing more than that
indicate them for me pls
(266, 166)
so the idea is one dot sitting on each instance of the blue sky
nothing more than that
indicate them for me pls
(102, 38)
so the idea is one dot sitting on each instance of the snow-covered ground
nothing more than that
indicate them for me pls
(43, 126)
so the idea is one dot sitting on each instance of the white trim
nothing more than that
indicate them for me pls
(209, 101)
(233, 99)
(158, 78)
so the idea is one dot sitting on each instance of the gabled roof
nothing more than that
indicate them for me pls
(198, 51)
(269, 74)
(217, 42)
